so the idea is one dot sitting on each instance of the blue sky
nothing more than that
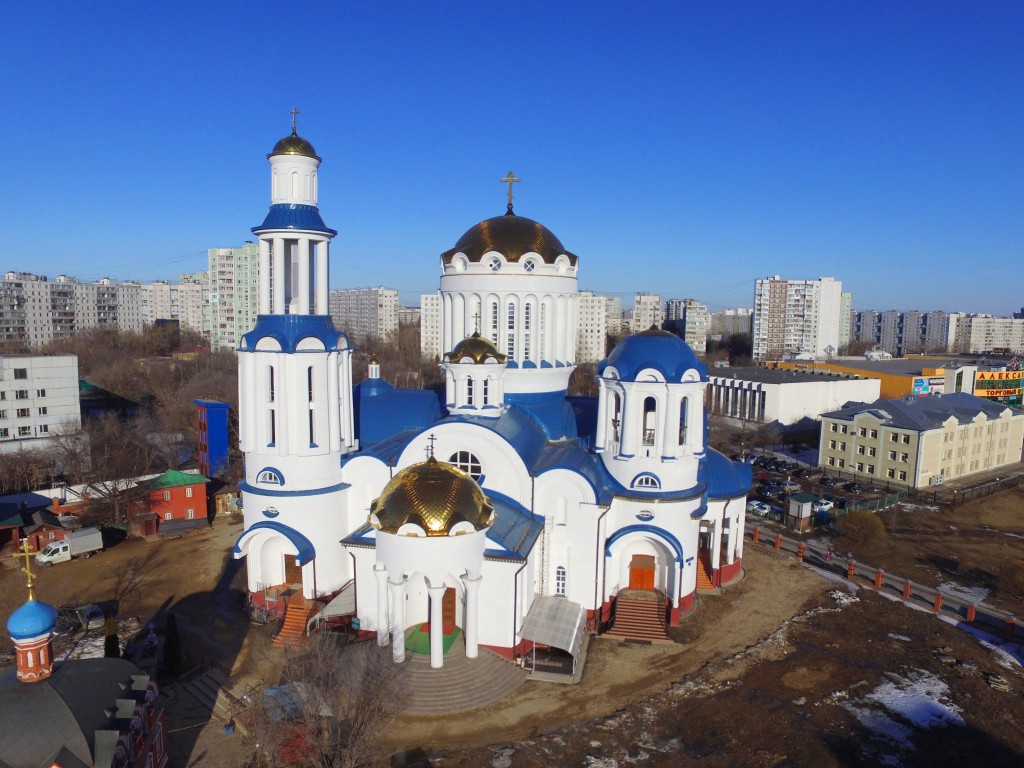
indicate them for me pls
(681, 148)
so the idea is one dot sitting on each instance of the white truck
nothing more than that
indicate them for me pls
(83, 543)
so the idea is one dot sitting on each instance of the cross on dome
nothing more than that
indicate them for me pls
(430, 448)
(510, 180)
(294, 113)
(24, 551)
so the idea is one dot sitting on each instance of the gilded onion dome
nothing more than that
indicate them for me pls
(294, 145)
(476, 348)
(510, 235)
(434, 495)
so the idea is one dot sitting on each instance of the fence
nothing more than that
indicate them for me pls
(953, 496)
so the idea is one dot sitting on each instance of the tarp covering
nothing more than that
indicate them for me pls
(556, 622)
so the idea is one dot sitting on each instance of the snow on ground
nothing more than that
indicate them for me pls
(908, 507)
(918, 700)
(1007, 654)
(897, 636)
(970, 594)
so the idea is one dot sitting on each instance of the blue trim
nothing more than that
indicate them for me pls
(305, 547)
(633, 482)
(277, 473)
(305, 218)
(658, 350)
(659, 532)
(289, 330)
(246, 488)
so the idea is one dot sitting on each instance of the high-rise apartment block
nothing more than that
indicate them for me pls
(730, 321)
(362, 312)
(187, 301)
(796, 319)
(904, 333)
(690, 319)
(646, 312)
(592, 332)
(233, 280)
(430, 326)
(38, 400)
(976, 334)
(408, 316)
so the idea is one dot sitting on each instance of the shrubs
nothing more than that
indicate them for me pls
(862, 527)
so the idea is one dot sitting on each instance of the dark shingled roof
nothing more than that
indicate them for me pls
(925, 413)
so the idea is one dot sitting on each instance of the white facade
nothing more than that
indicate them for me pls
(592, 337)
(770, 396)
(690, 319)
(233, 279)
(186, 301)
(647, 312)
(984, 333)
(574, 516)
(38, 400)
(430, 326)
(796, 319)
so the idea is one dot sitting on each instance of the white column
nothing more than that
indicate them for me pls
(381, 573)
(304, 259)
(472, 615)
(631, 416)
(436, 626)
(397, 620)
(741, 522)
(264, 275)
(716, 545)
(322, 301)
(333, 391)
(670, 425)
(602, 416)
(279, 280)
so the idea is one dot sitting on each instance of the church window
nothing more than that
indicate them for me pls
(469, 391)
(167, 495)
(511, 347)
(684, 406)
(487, 393)
(467, 462)
(312, 412)
(295, 184)
(511, 316)
(560, 579)
(650, 419)
(494, 264)
(270, 477)
(530, 265)
(494, 321)
(270, 383)
(543, 318)
(314, 186)
(646, 480)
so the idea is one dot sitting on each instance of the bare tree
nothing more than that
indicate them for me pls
(336, 701)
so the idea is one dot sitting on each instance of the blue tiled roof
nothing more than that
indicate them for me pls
(550, 410)
(585, 410)
(514, 528)
(726, 478)
(289, 330)
(382, 411)
(516, 427)
(305, 218)
(658, 350)
(569, 455)
(31, 620)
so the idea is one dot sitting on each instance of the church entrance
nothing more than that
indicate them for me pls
(641, 572)
(292, 572)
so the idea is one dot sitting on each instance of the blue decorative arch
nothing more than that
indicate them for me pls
(661, 533)
(272, 470)
(634, 483)
(306, 550)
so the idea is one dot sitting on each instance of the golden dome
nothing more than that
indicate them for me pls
(433, 495)
(510, 235)
(476, 348)
(294, 145)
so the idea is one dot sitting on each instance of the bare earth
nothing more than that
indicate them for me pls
(748, 684)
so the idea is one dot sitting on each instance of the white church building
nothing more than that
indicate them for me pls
(500, 512)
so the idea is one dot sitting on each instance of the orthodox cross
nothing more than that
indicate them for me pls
(25, 552)
(510, 180)
(295, 112)
(430, 448)
(476, 321)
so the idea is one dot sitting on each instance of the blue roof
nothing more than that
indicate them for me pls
(550, 410)
(289, 330)
(514, 528)
(517, 428)
(306, 550)
(726, 478)
(569, 455)
(381, 411)
(299, 217)
(658, 350)
(32, 620)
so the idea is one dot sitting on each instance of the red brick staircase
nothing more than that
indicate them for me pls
(293, 630)
(704, 582)
(640, 615)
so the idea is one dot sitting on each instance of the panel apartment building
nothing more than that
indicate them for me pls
(38, 400)
(361, 312)
(691, 320)
(796, 319)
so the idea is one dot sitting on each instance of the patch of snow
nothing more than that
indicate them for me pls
(503, 758)
(595, 744)
(1013, 535)
(601, 762)
(640, 757)
(972, 594)
(914, 507)
(1007, 654)
(896, 636)
(843, 599)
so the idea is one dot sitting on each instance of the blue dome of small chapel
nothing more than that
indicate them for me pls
(32, 620)
(655, 349)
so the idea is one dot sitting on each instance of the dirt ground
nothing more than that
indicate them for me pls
(748, 684)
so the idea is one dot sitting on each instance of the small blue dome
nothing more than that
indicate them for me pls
(659, 350)
(32, 620)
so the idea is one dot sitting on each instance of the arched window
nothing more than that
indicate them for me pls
(467, 462)
(683, 407)
(487, 392)
(560, 581)
(270, 476)
(295, 183)
(646, 480)
(469, 391)
(650, 420)
(309, 384)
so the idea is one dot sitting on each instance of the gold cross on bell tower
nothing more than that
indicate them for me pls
(510, 180)
(295, 113)
(25, 552)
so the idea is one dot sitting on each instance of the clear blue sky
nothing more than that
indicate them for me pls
(682, 148)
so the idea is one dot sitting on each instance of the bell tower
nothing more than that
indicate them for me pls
(295, 390)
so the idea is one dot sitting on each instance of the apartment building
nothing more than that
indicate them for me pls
(646, 312)
(921, 441)
(690, 319)
(730, 321)
(904, 333)
(430, 326)
(186, 301)
(362, 312)
(976, 334)
(796, 319)
(408, 316)
(592, 332)
(233, 275)
(38, 400)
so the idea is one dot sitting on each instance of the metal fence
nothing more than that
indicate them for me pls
(954, 496)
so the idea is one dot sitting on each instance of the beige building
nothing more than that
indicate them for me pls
(921, 441)
(186, 301)
(430, 326)
(647, 311)
(592, 332)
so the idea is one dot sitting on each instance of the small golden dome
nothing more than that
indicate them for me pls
(434, 495)
(294, 145)
(476, 348)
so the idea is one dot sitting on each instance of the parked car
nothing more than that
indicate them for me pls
(854, 488)
(821, 505)
(758, 508)
(778, 465)
(791, 485)
(832, 481)
(807, 473)
(762, 462)
(771, 491)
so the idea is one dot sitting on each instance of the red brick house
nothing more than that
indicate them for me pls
(178, 499)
